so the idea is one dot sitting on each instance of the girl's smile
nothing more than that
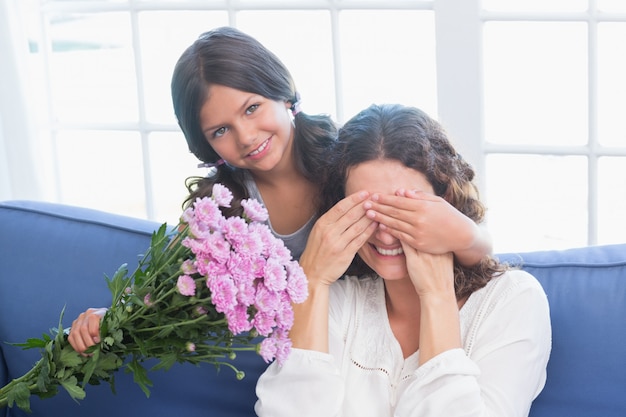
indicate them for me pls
(260, 151)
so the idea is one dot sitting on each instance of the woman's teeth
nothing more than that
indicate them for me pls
(389, 252)
(259, 149)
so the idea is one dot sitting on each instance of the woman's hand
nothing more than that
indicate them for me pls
(335, 239)
(433, 279)
(431, 274)
(85, 330)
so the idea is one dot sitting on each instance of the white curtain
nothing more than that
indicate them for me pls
(18, 175)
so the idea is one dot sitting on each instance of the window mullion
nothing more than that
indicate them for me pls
(459, 77)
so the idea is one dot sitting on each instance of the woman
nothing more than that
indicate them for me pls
(406, 333)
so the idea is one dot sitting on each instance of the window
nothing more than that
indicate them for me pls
(106, 67)
(555, 160)
(530, 91)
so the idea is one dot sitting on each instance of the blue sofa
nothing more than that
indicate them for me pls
(54, 256)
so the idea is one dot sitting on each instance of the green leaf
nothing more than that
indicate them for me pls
(20, 395)
(166, 362)
(32, 343)
(140, 376)
(69, 357)
(43, 378)
(90, 366)
(110, 362)
(72, 388)
(118, 283)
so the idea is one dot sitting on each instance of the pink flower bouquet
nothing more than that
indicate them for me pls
(212, 287)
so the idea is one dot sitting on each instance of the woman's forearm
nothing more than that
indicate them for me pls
(310, 327)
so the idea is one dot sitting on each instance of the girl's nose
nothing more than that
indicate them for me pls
(246, 134)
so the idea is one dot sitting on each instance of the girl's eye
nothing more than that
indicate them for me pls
(219, 132)
(252, 109)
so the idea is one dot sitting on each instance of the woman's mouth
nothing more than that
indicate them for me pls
(389, 252)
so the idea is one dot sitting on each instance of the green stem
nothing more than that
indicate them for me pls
(178, 324)
(30, 377)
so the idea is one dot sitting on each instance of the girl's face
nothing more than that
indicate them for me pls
(383, 252)
(247, 130)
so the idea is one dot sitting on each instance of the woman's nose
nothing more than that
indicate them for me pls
(384, 237)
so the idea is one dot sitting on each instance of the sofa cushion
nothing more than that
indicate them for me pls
(586, 288)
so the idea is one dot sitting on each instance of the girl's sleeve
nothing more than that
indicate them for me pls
(308, 384)
(506, 366)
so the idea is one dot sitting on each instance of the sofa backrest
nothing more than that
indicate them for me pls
(586, 289)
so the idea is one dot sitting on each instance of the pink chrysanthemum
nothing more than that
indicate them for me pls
(264, 323)
(283, 346)
(206, 217)
(224, 293)
(188, 267)
(297, 283)
(238, 319)
(275, 275)
(254, 210)
(222, 195)
(284, 314)
(267, 349)
(235, 230)
(186, 285)
(266, 300)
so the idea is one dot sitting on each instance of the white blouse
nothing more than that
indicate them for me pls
(506, 334)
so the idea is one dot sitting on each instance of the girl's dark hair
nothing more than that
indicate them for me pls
(229, 57)
(409, 135)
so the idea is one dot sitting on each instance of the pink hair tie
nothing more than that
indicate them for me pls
(212, 164)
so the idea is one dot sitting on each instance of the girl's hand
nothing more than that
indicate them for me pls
(428, 223)
(85, 330)
(335, 239)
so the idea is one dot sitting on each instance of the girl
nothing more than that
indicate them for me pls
(408, 333)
